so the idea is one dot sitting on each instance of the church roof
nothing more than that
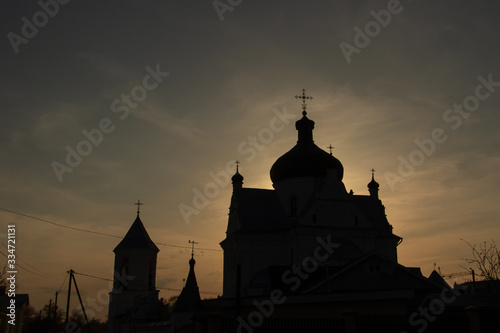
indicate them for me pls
(258, 209)
(136, 238)
(370, 272)
(373, 210)
(189, 297)
(438, 279)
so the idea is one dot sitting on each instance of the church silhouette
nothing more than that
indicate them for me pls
(306, 256)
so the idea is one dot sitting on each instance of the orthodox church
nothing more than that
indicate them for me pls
(305, 256)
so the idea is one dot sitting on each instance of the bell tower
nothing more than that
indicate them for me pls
(134, 295)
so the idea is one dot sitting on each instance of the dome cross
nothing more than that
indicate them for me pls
(192, 247)
(138, 204)
(331, 148)
(304, 97)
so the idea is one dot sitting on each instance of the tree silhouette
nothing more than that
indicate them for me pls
(486, 258)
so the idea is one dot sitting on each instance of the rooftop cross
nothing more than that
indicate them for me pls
(373, 172)
(304, 97)
(331, 148)
(192, 247)
(138, 204)
(237, 163)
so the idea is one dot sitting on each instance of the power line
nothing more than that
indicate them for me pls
(27, 270)
(94, 232)
(171, 289)
(20, 259)
(92, 276)
(62, 284)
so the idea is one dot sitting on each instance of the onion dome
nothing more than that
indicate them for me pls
(237, 178)
(305, 159)
(373, 185)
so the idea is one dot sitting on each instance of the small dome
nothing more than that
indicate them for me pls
(237, 178)
(305, 159)
(373, 184)
(192, 262)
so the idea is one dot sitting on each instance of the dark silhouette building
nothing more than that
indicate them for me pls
(308, 256)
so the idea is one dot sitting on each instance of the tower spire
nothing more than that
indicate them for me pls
(189, 297)
(373, 186)
(237, 179)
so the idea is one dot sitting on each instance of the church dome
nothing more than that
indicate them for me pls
(373, 185)
(237, 177)
(305, 159)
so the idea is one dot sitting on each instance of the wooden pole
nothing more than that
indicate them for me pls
(69, 295)
(55, 307)
(81, 303)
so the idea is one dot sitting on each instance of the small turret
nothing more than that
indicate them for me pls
(189, 298)
(373, 186)
(237, 179)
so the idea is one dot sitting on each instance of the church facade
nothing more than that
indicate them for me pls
(305, 256)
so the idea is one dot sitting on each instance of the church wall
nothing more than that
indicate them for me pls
(139, 266)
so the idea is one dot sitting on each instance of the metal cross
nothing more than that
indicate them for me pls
(237, 163)
(304, 97)
(373, 171)
(331, 148)
(138, 204)
(192, 247)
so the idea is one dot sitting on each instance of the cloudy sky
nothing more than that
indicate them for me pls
(108, 102)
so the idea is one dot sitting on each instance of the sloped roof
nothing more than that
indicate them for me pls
(352, 277)
(390, 275)
(438, 279)
(189, 297)
(136, 238)
(373, 210)
(259, 209)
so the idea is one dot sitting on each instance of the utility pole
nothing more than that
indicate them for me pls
(72, 278)
(81, 302)
(69, 295)
(50, 309)
(473, 281)
(55, 307)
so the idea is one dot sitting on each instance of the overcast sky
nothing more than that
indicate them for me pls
(179, 90)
